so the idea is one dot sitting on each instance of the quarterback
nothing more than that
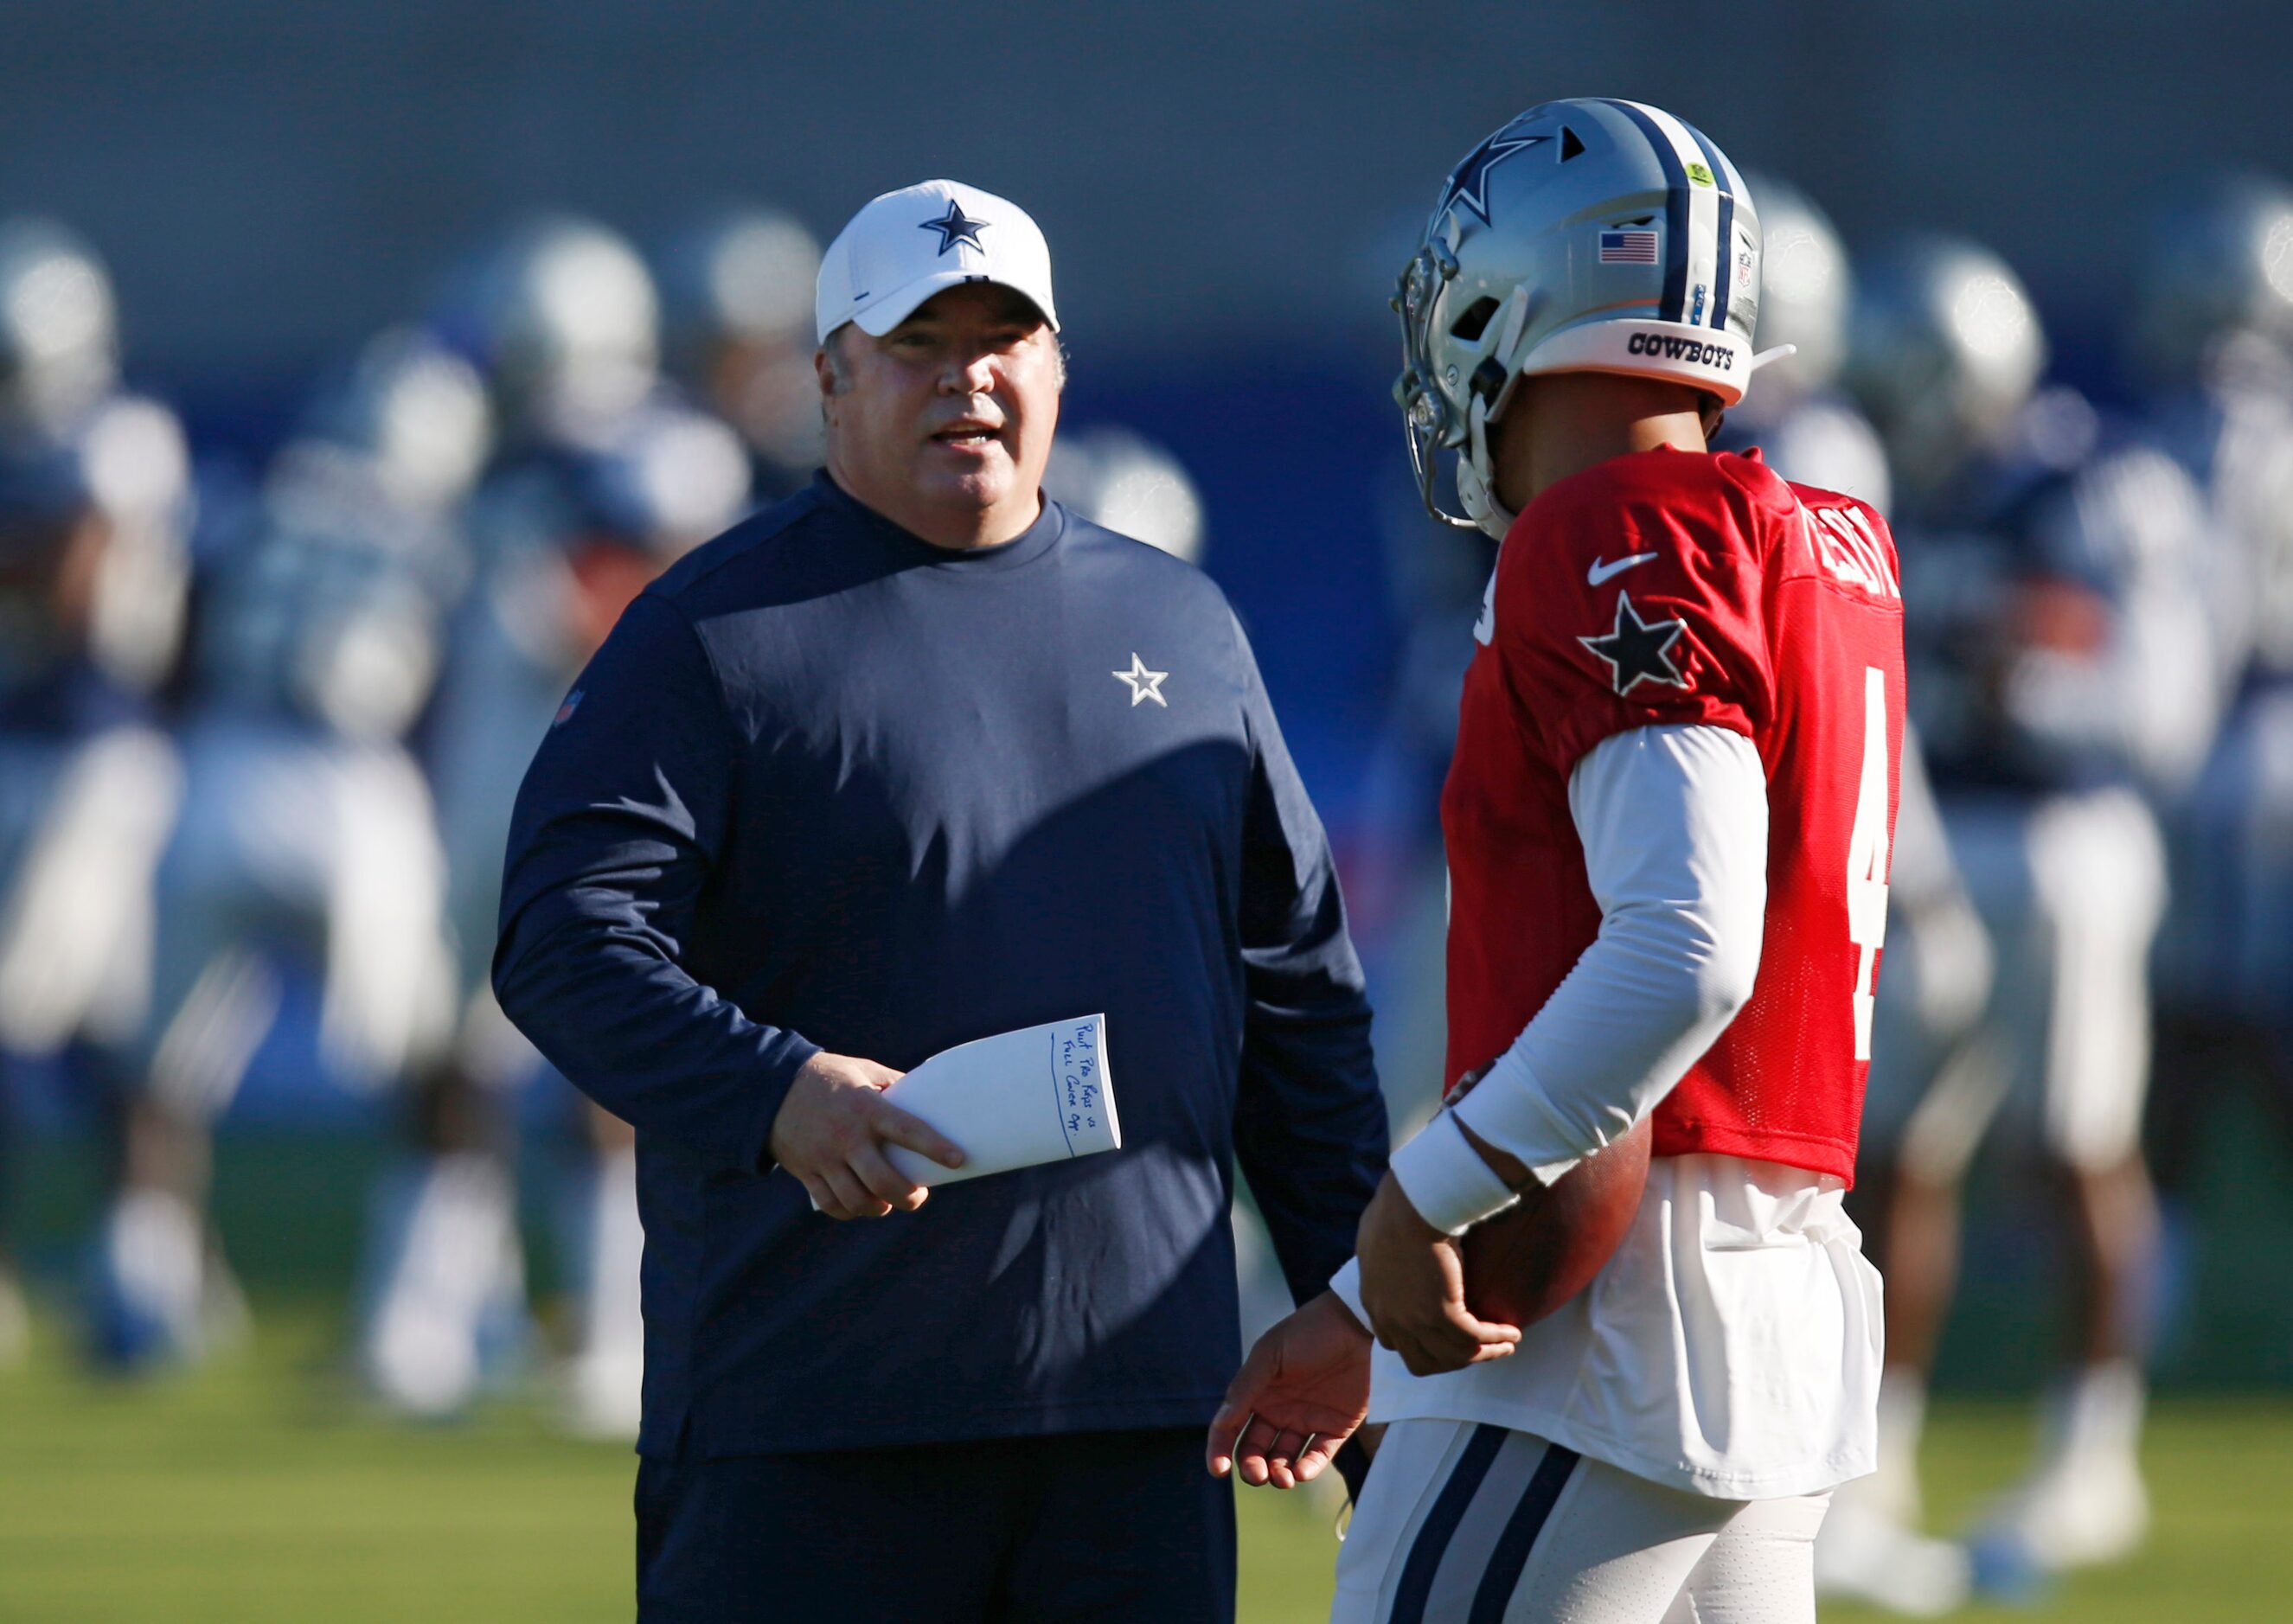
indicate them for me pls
(1668, 824)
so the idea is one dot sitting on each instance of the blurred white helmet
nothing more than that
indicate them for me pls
(742, 273)
(417, 411)
(669, 479)
(1131, 486)
(1805, 288)
(561, 313)
(59, 325)
(739, 286)
(1586, 236)
(1945, 351)
(2219, 265)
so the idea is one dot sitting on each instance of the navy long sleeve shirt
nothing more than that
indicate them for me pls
(828, 786)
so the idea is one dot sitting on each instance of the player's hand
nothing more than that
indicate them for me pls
(1412, 1287)
(831, 1130)
(1301, 1392)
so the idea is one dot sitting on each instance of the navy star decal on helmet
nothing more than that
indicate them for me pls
(1469, 183)
(1538, 259)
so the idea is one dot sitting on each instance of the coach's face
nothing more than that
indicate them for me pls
(944, 423)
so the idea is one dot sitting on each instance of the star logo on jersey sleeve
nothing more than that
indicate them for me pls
(1144, 684)
(956, 227)
(1636, 650)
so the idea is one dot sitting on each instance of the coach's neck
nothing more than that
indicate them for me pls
(1561, 423)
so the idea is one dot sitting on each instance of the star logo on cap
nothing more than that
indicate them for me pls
(956, 227)
(1636, 650)
(1469, 183)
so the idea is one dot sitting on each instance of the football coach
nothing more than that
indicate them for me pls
(916, 756)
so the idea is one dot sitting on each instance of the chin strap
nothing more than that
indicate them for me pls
(1476, 486)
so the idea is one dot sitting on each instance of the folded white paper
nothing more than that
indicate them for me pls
(1015, 1100)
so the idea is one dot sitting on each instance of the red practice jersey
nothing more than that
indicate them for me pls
(1678, 587)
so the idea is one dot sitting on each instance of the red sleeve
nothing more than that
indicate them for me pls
(1630, 596)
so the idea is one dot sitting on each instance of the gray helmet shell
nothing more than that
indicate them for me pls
(2220, 264)
(562, 315)
(1588, 235)
(1947, 349)
(1805, 288)
(59, 325)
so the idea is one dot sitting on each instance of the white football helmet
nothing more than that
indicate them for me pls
(59, 326)
(1121, 479)
(738, 289)
(2220, 264)
(417, 411)
(1588, 235)
(562, 316)
(1947, 351)
(1805, 288)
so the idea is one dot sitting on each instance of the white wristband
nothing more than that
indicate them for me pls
(1446, 1181)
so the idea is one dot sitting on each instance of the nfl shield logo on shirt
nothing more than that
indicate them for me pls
(565, 711)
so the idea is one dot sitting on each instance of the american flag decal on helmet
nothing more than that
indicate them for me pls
(1628, 248)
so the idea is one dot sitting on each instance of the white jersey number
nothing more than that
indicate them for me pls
(1867, 856)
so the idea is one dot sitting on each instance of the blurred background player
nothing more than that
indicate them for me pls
(2212, 319)
(2058, 675)
(93, 509)
(1938, 955)
(1811, 432)
(737, 295)
(307, 851)
(603, 477)
(1118, 478)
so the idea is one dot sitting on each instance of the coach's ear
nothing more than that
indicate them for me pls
(1712, 415)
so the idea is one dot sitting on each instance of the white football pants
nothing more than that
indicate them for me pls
(1467, 1523)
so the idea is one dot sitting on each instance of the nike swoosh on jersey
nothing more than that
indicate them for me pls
(1601, 572)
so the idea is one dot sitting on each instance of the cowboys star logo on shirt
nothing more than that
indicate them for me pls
(1636, 650)
(1144, 684)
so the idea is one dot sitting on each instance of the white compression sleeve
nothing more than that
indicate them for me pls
(1673, 821)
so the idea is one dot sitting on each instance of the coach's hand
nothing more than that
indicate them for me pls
(1412, 1287)
(831, 1131)
(1301, 1392)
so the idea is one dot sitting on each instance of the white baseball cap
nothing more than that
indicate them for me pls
(907, 245)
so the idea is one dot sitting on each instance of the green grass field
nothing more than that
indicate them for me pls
(257, 1490)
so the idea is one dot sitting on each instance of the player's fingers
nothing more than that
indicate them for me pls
(1445, 1345)
(1483, 1333)
(824, 1199)
(903, 1128)
(1225, 1433)
(1282, 1459)
(1316, 1456)
(1253, 1449)
(1438, 1346)
(852, 1197)
(1267, 1445)
(886, 1182)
